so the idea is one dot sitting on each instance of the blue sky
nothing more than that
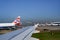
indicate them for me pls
(41, 9)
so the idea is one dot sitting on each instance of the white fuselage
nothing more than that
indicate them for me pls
(6, 24)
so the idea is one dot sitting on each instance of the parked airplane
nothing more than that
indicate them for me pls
(54, 24)
(50, 24)
(11, 25)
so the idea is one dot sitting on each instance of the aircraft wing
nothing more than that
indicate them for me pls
(21, 34)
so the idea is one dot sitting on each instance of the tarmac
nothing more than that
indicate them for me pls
(33, 38)
(49, 27)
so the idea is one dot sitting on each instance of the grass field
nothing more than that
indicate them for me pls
(47, 36)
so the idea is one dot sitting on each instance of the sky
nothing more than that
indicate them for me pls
(30, 9)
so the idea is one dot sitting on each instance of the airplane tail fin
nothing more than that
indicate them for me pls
(17, 21)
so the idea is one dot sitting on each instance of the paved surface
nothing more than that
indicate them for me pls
(50, 27)
(36, 31)
(33, 38)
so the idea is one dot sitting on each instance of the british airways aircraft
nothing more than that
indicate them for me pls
(16, 22)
